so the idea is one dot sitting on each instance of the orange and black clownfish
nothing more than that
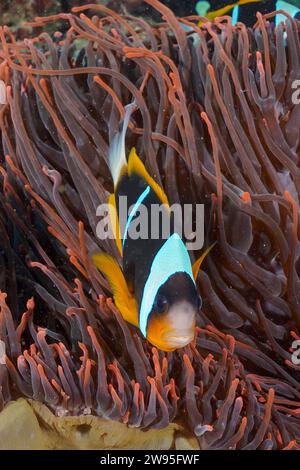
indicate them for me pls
(155, 290)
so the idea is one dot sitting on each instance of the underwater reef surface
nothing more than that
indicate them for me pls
(217, 123)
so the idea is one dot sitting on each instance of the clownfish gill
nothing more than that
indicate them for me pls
(155, 289)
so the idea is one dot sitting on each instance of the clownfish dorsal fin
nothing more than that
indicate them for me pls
(114, 221)
(199, 261)
(123, 298)
(117, 152)
(135, 165)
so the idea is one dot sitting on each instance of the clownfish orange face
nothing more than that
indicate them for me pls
(174, 329)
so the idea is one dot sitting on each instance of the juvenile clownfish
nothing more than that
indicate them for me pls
(155, 290)
(203, 8)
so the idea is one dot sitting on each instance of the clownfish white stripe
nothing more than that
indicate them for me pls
(285, 6)
(235, 15)
(134, 210)
(172, 258)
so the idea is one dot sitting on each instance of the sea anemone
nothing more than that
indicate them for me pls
(215, 124)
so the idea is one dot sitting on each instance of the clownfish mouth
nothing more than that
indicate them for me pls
(175, 329)
(182, 319)
(179, 341)
(170, 340)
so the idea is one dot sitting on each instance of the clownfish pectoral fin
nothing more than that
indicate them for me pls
(123, 298)
(117, 151)
(114, 221)
(199, 261)
(135, 165)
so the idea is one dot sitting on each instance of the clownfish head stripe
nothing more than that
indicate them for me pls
(170, 259)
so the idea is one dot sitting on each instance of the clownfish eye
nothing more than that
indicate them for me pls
(161, 304)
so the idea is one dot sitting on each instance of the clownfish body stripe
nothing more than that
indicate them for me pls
(134, 210)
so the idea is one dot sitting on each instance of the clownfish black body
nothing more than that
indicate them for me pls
(155, 290)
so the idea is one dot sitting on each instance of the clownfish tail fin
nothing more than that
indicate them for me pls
(117, 151)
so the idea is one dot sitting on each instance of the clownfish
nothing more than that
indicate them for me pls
(155, 289)
(203, 8)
